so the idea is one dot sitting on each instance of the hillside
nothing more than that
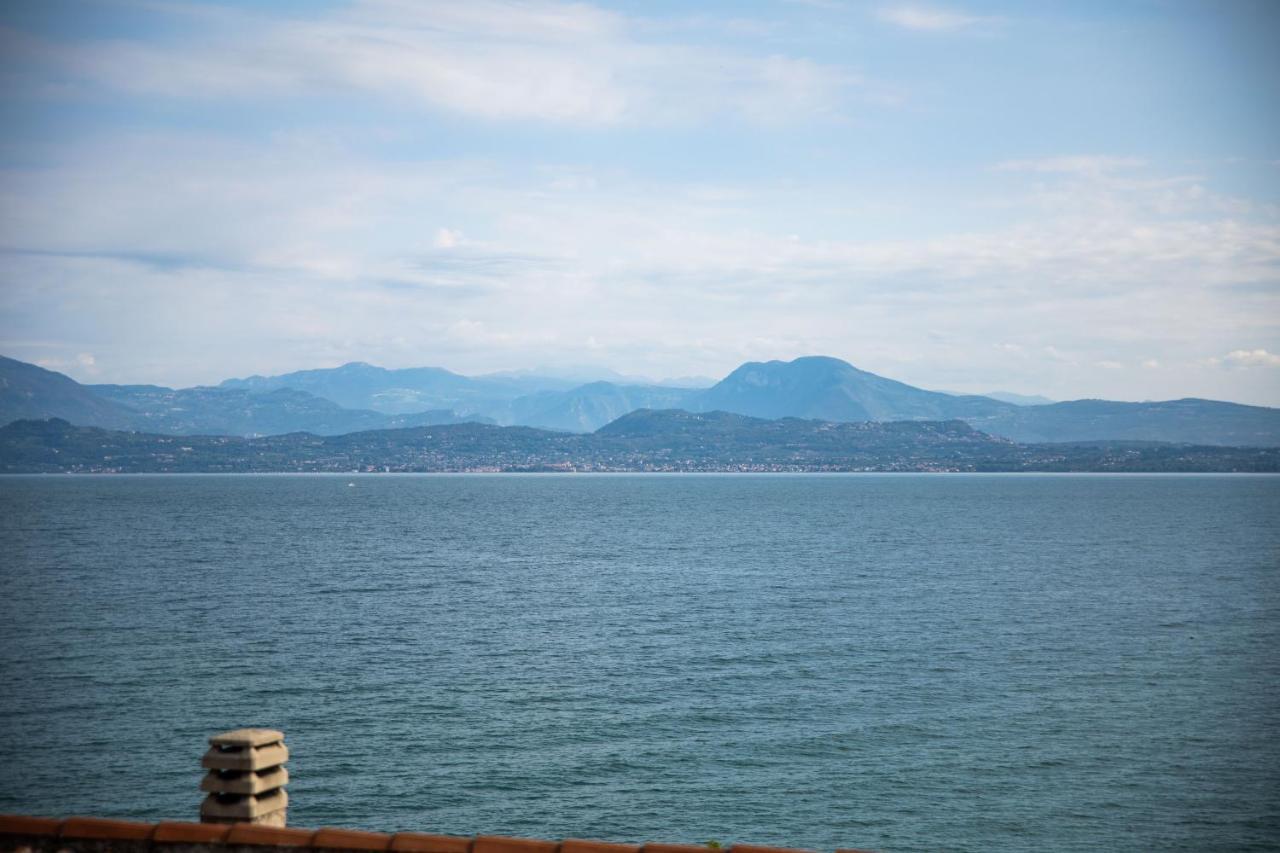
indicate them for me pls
(591, 406)
(833, 390)
(641, 441)
(525, 399)
(28, 391)
(685, 436)
(405, 391)
(228, 411)
(1188, 421)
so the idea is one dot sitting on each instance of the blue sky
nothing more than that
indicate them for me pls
(1074, 199)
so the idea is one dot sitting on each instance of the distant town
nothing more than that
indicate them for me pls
(643, 441)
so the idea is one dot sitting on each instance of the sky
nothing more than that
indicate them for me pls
(1073, 199)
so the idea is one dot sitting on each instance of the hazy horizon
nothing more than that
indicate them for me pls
(1075, 200)
(585, 374)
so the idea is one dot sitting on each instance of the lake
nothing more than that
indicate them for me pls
(899, 662)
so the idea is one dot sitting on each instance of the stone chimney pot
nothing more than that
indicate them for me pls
(246, 778)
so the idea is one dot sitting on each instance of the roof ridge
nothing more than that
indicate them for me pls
(335, 838)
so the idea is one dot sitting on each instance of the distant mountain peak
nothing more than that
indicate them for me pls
(819, 361)
(802, 363)
(831, 389)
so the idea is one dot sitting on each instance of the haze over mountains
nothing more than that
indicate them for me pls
(360, 396)
(28, 391)
(1011, 397)
(508, 399)
(218, 411)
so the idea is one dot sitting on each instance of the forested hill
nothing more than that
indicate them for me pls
(641, 441)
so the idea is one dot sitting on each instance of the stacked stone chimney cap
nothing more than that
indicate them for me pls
(244, 782)
(245, 779)
(247, 737)
(246, 749)
(246, 809)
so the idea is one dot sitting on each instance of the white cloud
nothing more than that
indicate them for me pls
(447, 238)
(326, 211)
(1251, 358)
(1080, 165)
(928, 19)
(542, 61)
(85, 364)
(1056, 354)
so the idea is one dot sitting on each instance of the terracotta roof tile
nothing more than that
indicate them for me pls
(675, 848)
(245, 834)
(421, 842)
(350, 839)
(499, 844)
(191, 833)
(578, 845)
(248, 833)
(12, 824)
(97, 827)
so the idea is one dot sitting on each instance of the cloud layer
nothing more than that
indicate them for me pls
(565, 184)
(541, 61)
(930, 18)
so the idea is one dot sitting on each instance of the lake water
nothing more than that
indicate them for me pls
(896, 662)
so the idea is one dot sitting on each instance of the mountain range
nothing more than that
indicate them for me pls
(360, 396)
